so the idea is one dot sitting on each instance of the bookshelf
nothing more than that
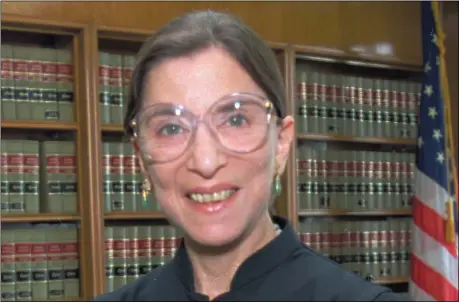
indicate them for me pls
(102, 62)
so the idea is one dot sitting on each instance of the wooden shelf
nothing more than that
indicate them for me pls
(326, 212)
(39, 125)
(112, 128)
(351, 139)
(133, 215)
(38, 217)
(391, 280)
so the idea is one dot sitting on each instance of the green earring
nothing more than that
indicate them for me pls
(278, 186)
(145, 190)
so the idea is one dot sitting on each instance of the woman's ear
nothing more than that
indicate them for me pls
(284, 142)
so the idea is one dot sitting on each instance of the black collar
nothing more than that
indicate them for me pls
(261, 262)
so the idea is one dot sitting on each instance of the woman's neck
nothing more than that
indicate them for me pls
(214, 268)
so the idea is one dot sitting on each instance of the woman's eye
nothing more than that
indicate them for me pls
(170, 129)
(237, 120)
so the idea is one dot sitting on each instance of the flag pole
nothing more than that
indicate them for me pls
(449, 145)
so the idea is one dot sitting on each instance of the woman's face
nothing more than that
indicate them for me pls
(197, 82)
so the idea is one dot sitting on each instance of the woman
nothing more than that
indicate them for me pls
(207, 119)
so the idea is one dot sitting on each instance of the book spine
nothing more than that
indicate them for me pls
(65, 79)
(109, 258)
(117, 203)
(116, 89)
(51, 182)
(55, 264)
(22, 83)
(23, 247)
(35, 77)
(120, 246)
(132, 259)
(128, 68)
(4, 176)
(104, 87)
(39, 265)
(31, 170)
(106, 173)
(8, 108)
(8, 270)
(129, 178)
(67, 164)
(156, 246)
(144, 245)
(50, 71)
(16, 176)
(71, 270)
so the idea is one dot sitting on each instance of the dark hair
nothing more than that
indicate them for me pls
(196, 31)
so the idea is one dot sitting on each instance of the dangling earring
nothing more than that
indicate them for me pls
(278, 186)
(145, 190)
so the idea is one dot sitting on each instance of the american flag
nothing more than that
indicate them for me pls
(434, 261)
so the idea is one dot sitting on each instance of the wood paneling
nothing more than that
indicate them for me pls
(383, 31)
(329, 28)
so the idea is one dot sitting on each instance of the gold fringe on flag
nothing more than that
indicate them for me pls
(450, 233)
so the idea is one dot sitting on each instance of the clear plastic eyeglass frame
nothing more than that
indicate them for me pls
(229, 102)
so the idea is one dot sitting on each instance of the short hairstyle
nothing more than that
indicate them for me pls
(195, 31)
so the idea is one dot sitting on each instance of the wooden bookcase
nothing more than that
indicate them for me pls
(89, 133)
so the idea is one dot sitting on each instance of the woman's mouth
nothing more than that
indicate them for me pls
(211, 197)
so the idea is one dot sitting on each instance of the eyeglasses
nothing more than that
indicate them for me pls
(238, 122)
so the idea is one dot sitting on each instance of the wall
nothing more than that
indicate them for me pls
(337, 27)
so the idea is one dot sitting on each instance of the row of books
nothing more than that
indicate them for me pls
(318, 85)
(354, 180)
(321, 162)
(38, 176)
(37, 83)
(39, 262)
(122, 180)
(132, 251)
(356, 106)
(371, 248)
(115, 72)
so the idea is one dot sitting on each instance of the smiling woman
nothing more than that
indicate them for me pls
(207, 119)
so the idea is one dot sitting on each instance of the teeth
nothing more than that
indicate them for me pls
(217, 196)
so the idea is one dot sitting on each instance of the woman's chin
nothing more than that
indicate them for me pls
(214, 238)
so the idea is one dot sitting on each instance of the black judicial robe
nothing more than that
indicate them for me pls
(284, 270)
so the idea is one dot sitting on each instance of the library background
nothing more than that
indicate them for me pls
(70, 200)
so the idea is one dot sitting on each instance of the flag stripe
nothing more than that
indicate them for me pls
(431, 224)
(420, 294)
(430, 192)
(432, 282)
(434, 255)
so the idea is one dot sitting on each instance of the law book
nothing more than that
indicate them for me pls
(7, 268)
(31, 172)
(132, 258)
(8, 108)
(105, 99)
(117, 176)
(55, 265)
(130, 178)
(68, 166)
(39, 264)
(21, 82)
(35, 76)
(49, 85)
(108, 257)
(120, 246)
(116, 89)
(106, 173)
(71, 268)
(15, 162)
(127, 69)
(23, 257)
(65, 86)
